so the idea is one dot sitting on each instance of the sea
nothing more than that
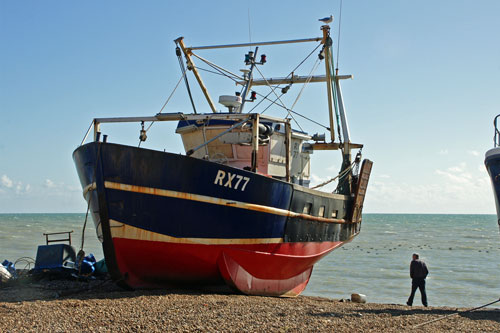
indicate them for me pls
(462, 253)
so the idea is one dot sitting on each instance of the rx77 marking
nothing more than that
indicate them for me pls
(231, 180)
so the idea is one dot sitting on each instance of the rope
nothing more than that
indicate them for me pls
(341, 174)
(27, 265)
(454, 314)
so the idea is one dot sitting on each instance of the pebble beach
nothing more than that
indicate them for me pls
(100, 306)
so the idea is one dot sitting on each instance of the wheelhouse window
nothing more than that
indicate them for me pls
(321, 212)
(307, 208)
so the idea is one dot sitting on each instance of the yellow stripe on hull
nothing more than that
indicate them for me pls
(218, 201)
(122, 230)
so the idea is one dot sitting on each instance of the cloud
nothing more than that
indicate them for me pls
(6, 181)
(59, 188)
(22, 189)
(456, 189)
(443, 152)
(49, 184)
(333, 167)
(473, 152)
(8, 185)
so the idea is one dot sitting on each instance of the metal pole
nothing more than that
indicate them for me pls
(345, 126)
(255, 141)
(249, 82)
(316, 39)
(97, 128)
(187, 54)
(288, 146)
(87, 134)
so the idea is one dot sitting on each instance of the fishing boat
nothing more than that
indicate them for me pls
(492, 162)
(237, 206)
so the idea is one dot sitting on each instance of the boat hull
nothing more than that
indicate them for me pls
(166, 218)
(492, 162)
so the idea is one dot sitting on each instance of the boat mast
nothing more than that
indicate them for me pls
(187, 54)
(335, 100)
(327, 42)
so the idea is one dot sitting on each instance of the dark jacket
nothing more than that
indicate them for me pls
(418, 269)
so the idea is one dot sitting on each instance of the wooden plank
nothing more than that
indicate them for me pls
(359, 198)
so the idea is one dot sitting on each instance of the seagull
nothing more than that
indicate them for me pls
(327, 20)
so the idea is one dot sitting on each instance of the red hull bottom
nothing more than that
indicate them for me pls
(279, 269)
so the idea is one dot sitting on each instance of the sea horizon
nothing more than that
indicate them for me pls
(367, 213)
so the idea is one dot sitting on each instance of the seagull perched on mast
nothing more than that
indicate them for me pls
(326, 20)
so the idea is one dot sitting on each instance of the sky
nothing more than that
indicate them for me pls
(422, 101)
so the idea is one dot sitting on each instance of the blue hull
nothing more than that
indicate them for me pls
(492, 162)
(167, 198)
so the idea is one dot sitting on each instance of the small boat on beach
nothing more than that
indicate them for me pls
(237, 207)
(492, 162)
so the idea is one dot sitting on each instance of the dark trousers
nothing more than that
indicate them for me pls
(420, 284)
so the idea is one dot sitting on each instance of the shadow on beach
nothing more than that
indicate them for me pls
(395, 310)
(47, 290)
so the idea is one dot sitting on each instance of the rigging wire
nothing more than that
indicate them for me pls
(168, 100)
(271, 104)
(294, 112)
(316, 64)
(278, 97)
(220, 69)
(298, 96)
(212, 72)
(165, 104)
(183, 70)
(338, 40)
(297, 67)
(216, 73)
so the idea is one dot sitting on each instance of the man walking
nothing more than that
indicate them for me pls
(418, 273)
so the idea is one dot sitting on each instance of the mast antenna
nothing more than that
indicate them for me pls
(338, 40)
(249, 30)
